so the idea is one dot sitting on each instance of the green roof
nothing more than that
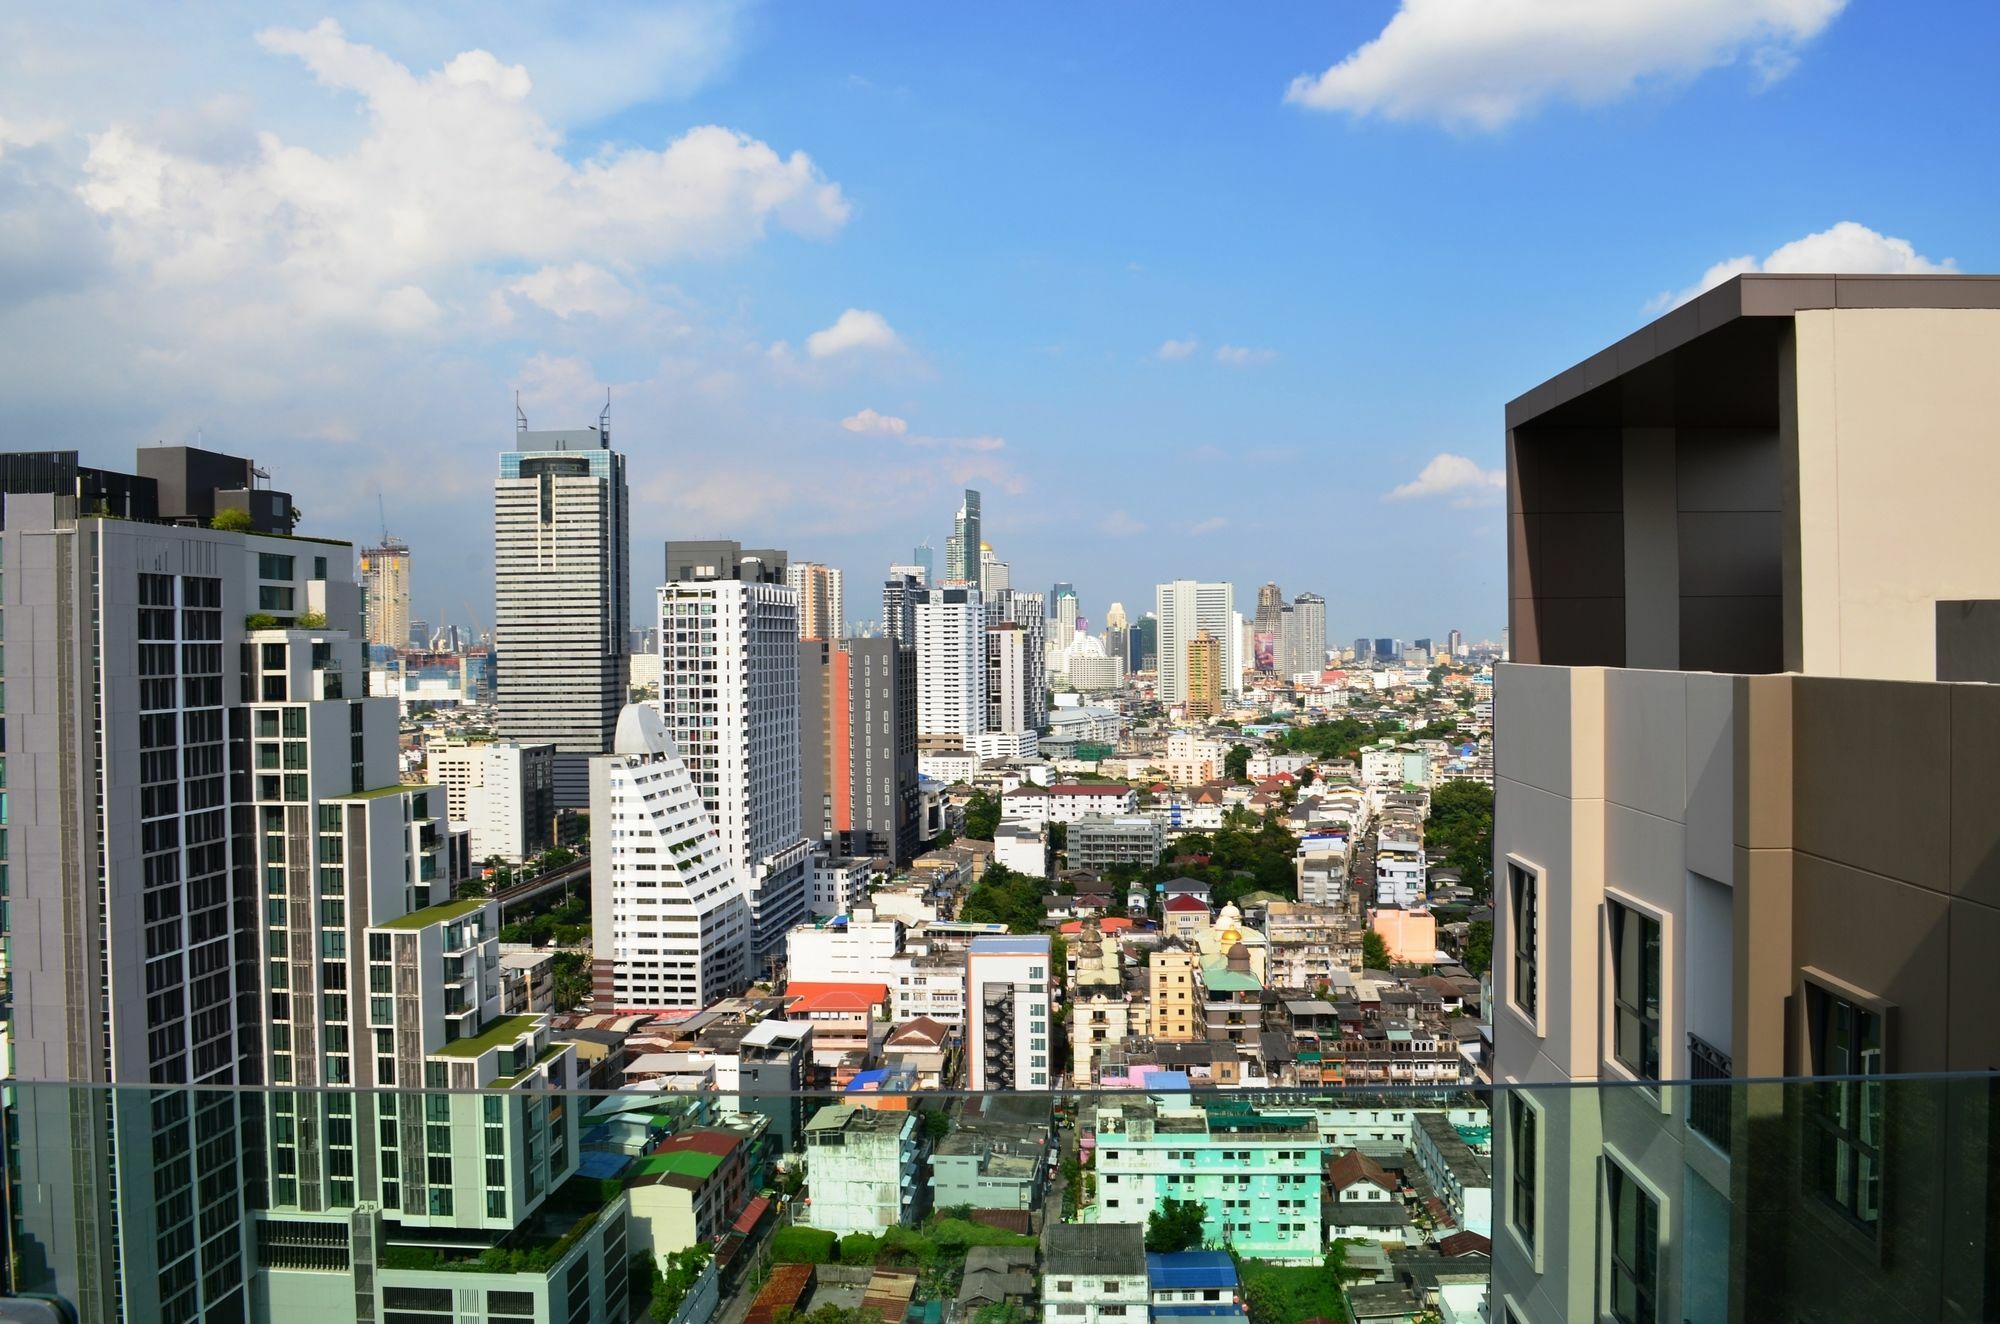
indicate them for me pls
(381, 791)
(681, 1163)
(437, 914)
(497, 1034)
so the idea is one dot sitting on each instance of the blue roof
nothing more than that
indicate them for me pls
(1200, 1310)
(863, 1079)
(1167, 1080)
(597, 1163)
(1191, 1268)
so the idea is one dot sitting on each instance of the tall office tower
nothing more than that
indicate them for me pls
(951, 667)
(1118, 636)
(961, 552)
(207, 843)
(562, 597)
(994, 575)
(1268, 629)
(1454, 643)
(1025, 610)
(729, 695)
(1185, 607)
(673, 924)
(924, 556)
(385, 593)
(1115, 618)
(1776, 614)
(1145, 644)
(1422, 646)
(1062, 629)
(1007, 1013)
(1061, 589)
(899, 605)
(1306, 620)
(871, 765)
(1007, 679)
(822, 604)
(1388, 650)
(1364, 650)
(1204, 676)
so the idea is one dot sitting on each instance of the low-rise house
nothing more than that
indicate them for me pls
(1194, 1285)
(996, 1277)
(1095, 1274)
(863, 1165)
(1461, 1178)
(1022, 847)
(847, 1019)
(688, 1190)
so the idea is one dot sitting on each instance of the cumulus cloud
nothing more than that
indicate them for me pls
(580, 289)
(1241, 356)
(867, 420)
(457, 172)
(1175, 350)
(1121, 525)
(1210, 525)
(1848, 248)
(857, 329)
(1454, 477)
(1485, 63)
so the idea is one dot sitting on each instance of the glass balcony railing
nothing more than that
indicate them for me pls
(1871, 1197)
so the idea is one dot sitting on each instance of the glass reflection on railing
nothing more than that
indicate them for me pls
(1867, 1196)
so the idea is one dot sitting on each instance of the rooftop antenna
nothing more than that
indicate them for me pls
(520, 419)
(604, 420)
(383, 511)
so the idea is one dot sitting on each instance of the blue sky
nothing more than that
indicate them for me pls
(1174, 313)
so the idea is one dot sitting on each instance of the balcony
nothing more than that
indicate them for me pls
(1708, 1104)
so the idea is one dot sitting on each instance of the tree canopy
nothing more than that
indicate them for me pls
(1005, 897)
(1459, 832)
(1236, 763)
(1374, 951)
(1175, 1225)
(982, 815)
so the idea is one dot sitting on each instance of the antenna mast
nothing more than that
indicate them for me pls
(604, 420)
(520, 419)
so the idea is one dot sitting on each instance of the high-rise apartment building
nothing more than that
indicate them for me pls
(1145, 655)
(899, 604)
(1184, 608)
(858, 723)
(1454, 643)
(562, 597)
(1007, 1014)
(951, 667)
(1062, 629)
(226, 885)
(1204, 676)
(1303, 642)
(994, 576)
(961, 550)
(729, 695)
(1025, 611)
(822, 609)
(923, 556)
(1007, 707)
(385, 593)
(1268, 629)
(672, 924)
(1745, 822)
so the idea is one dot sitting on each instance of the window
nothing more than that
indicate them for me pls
(1633, 1243)
(1844, 1117)
(1524, 915)
(1635, 990)
(272, 566)
(1523, 1132)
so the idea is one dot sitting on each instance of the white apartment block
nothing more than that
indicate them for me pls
(501, 791)
(1008, 1014)
(1186, 607)
(951, 663)
(1005, 745)
(1193, 759)
(834, 952)
(562, 597)
(930, 985)
(839, 884)
(1066, 803)
(1022, 847)
(673, 915)
(1399, 870)
(1007, 707)
(729, 697)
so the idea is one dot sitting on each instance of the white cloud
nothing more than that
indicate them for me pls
(1848, 248)
(456, 172)
(1209, 525)
(1456, 477)
(1121, 525)
(580, 289)
(1240, 356)
(855, 329)
(1485, 63)
(1175, 350)
(27, 133)
(870, 421)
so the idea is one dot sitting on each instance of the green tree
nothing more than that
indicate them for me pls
(1459, 832)
(1005, 897)
(569, 981)
(684, 1267)
(1175, 1225)
(1236, 763)
(311, 620)
(1058, 836)
(232, 521)
(1265, 1303)
(1479, 946)
(982, 815)
(1374, 951)
(937, 1124)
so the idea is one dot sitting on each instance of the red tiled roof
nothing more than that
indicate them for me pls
(1464, 1243)
(718, 1143)
(919, 1030)
(1106, 924)
(751, 1213)
(1186, 901)
(809, 996)
(1355, 1166)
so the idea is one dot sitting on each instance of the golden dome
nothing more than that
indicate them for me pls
(1230, 937)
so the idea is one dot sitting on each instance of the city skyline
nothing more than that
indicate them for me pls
(780, 372)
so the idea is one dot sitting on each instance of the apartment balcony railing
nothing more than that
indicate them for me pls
(1844, 1205)
(1708, 1104)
